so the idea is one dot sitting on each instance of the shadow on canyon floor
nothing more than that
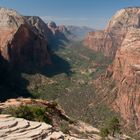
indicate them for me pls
(13, 85)
(58, 41)
(58, 66)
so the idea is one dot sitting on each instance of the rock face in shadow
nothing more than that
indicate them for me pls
(110, 39)
(24, 48)
(20, 45)
(12, 83)
(126, 73)
(59, 35)
(39, 25)
(56, 36)
(21, 48)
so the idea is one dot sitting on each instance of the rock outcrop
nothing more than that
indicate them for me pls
(40, 27)
(20, 45)
(100, 41)
(17, 128)
(60, 35)
(110, 39)
(121, 85)
(126, 73)
(55, 35)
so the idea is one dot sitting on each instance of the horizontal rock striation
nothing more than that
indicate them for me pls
(121, 39)
(126, 73)
(17, 128)
(110, 39)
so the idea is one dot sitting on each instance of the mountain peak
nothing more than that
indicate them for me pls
(52, 24)
(10, 18)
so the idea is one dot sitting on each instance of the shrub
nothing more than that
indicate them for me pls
(33, 113)
(110, 128)
(64, 127)
(114, 126)
(104, 132)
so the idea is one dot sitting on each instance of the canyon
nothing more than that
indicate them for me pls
(120, 40)
(101, 78)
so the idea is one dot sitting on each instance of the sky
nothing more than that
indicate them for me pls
(93, 13)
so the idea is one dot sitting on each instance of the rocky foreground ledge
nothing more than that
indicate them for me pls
(12, 128)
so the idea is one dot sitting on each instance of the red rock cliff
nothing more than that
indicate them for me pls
(19, 44)
(108, 40)
(126, 71)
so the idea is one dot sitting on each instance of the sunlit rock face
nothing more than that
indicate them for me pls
(20, 45)
(126, 72)
(121, 40)
(110, 39)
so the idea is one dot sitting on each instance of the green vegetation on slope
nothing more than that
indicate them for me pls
(112, 127)
(29, 112)
(70, 83)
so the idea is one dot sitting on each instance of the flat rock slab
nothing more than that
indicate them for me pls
(20, 129)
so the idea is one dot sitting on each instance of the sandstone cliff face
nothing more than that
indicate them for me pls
(115, 31)
(126, 72)
(39, 26)
(55, 35)
(121, 39)
(100, 41)
(59, 36)
(20, 45)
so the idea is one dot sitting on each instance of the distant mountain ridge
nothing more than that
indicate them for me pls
(79, 31)
(58, 35)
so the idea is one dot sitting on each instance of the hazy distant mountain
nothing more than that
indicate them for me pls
(79, 31)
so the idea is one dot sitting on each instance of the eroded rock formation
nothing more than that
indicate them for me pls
(16, 128)
(40, 27)
(126, 73)
(20, 45)
(121, 84)
(110, 39)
